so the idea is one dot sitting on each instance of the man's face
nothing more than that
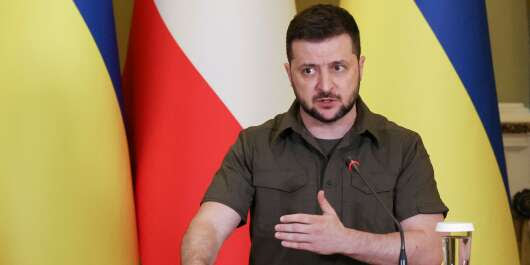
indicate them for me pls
(325, 76)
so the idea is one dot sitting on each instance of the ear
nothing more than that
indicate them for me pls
(361, 66)
(287, 67)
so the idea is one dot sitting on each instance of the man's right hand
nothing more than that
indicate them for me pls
(207, 231)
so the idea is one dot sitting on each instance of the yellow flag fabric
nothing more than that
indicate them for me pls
(65, 186)
(411, 78)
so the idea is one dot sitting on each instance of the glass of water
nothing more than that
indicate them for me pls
(456, 242)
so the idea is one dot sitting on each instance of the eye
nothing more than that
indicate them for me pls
(338, 67)
(308, 70)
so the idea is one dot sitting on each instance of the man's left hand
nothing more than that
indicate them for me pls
(322, 234)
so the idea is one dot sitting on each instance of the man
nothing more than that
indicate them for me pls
(306, 206)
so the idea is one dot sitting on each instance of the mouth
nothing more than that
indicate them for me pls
(325, 100)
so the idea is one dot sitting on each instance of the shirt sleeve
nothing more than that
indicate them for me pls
(416, 191)
(232, 183)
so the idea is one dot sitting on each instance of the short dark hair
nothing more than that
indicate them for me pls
(320, 22)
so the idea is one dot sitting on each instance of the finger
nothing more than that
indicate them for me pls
(297, 218)
(292, 237)
(297, 245)
(324, 204)
(293, 228)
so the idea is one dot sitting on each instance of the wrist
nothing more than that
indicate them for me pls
(350, 242)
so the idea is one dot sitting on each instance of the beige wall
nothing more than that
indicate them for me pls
(509, 34)
(508, 23)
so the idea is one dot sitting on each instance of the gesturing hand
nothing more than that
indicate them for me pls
(323, 234)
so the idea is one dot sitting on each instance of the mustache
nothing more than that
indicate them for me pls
(323, 95)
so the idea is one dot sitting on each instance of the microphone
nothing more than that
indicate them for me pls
(353, 165)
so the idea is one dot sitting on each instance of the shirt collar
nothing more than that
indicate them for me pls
(365, 122)
(289, 121)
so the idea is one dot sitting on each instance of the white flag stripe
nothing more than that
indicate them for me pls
(239, 49)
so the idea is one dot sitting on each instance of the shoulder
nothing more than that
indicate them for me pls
(263, 132)
(402, 144)
(390, 131)
(254, 143)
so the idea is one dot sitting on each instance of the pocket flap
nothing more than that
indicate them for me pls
(380, 182)
(283, 180)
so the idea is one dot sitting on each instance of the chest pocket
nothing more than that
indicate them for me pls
(286, 180)
(277, 193)
(361, 207)
(380, 182)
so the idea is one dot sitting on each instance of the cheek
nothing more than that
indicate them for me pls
(347, 83)
(301, 92)
(348, 88)
(303, 86)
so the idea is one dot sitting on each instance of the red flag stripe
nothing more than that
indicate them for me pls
(180, 131)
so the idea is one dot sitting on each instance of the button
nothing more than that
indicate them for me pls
(329, 183)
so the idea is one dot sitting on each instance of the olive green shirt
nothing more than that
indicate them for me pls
(277, 168)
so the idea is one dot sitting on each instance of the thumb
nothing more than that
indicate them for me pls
(324, 204)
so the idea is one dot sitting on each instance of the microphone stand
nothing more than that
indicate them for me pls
(354, 165)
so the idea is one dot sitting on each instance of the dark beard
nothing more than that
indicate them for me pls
(344, 109)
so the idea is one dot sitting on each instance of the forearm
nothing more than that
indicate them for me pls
(207, 231)
(325, 234)
(384, 248)
(199, 245)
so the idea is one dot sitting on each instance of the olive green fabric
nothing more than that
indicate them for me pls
(327, 145)
(277, 168)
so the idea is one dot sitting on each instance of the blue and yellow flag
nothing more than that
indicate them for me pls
(65, 184)
(428, 67)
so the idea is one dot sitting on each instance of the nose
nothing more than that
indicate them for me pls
(325, 83)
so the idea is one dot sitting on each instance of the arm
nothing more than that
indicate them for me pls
(325, 234)
(423, 244)
(228, 197)
(207, 231)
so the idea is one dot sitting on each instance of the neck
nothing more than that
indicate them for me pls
(331, 130)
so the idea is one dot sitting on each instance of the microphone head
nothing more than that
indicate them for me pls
(352, 164)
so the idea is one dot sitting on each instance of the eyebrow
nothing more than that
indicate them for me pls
(304, 65)
(339, 62)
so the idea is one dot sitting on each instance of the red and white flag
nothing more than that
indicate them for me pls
(197, 72)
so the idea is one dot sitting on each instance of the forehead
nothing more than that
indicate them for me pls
(331, 49)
